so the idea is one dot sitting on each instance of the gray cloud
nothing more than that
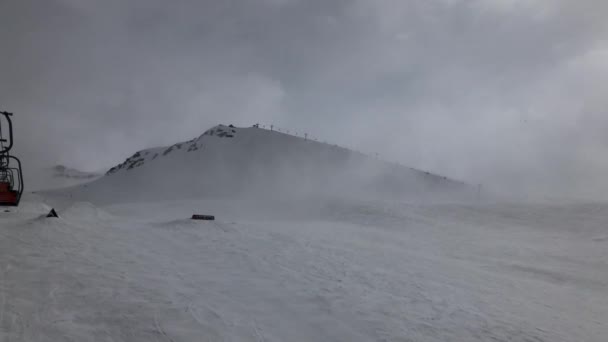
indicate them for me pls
(502, 92)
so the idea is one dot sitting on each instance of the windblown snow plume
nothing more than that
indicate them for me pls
(61, 171)
(227, 161)
(56, 177)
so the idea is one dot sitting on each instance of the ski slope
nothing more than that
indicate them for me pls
(337, 271)
(312, 243)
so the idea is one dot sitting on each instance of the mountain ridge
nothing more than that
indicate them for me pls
(235, 161)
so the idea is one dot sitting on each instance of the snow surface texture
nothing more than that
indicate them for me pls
(238, 162)
(311, 243)
(353, 271)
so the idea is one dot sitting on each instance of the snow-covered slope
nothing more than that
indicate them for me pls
(368, 271)
(350, 267)
(227, 161)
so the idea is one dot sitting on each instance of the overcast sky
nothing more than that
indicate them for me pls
(510, 93)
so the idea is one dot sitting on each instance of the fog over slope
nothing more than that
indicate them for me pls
(508, 93)
(228, 161)
(56, 177)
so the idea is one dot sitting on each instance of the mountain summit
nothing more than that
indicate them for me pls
(227, 161)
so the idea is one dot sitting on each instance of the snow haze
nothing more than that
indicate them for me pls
(256, 163)
(376, 170)
(504, 93)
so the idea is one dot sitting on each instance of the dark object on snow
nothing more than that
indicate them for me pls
(52, 213)
(231, 126)
(203, 217)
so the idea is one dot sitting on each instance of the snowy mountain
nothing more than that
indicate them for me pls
(133, 266)
(227, 161)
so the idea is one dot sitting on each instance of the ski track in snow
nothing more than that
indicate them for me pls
(366, 272)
